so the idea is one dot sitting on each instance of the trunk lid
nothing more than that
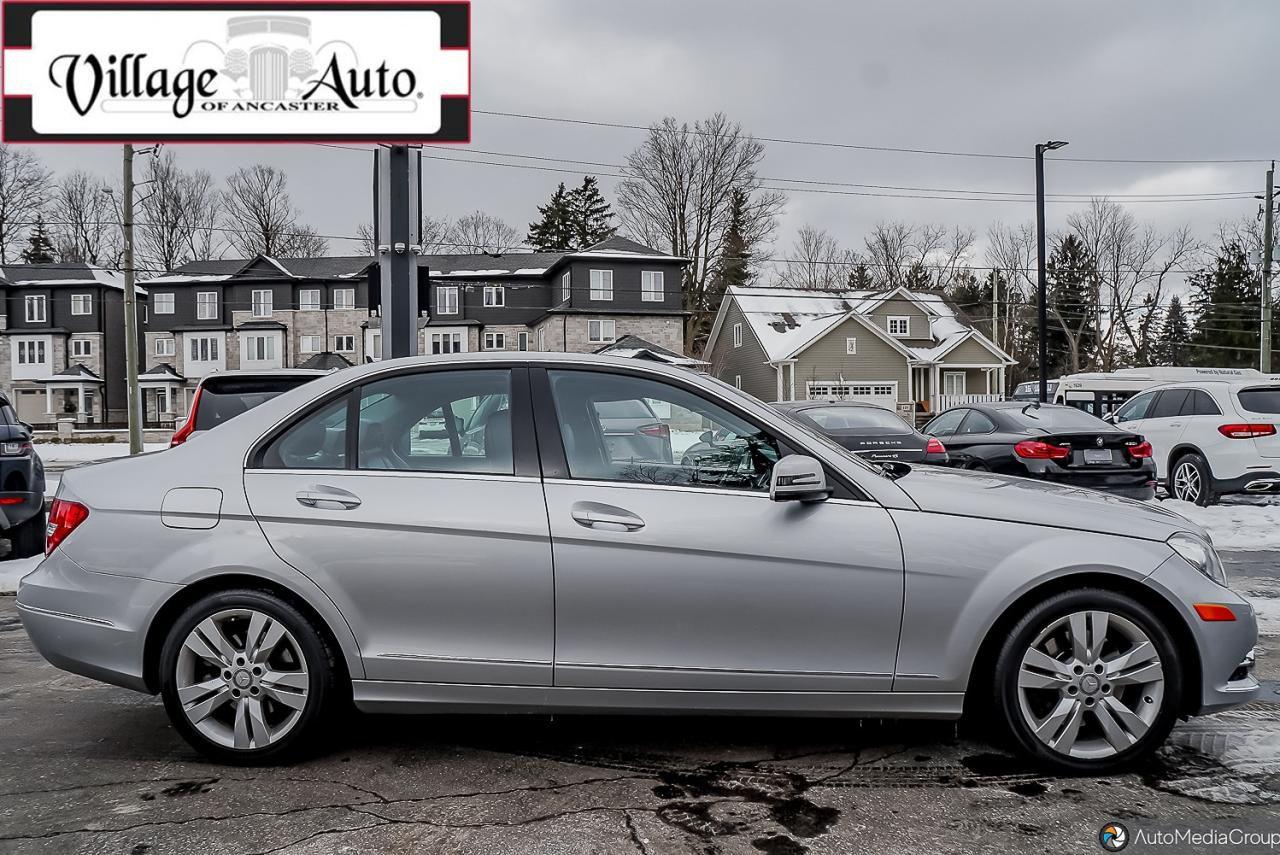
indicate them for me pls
(1094, 450)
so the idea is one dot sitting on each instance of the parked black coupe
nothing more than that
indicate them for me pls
(877, 434)
(1050, 442)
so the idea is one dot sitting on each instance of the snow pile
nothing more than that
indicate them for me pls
(1246, 526)
(12, 571)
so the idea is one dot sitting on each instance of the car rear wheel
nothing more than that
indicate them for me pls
(1089, 681)
(27, 539)
(1191, 481)
(246, 678)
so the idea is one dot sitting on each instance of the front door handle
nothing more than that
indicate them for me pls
(606, 517)
(328, 498)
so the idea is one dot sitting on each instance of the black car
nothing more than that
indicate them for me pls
(1050, 442)
(21, 486)
(873, 432)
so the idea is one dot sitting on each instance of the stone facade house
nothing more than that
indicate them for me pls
(912, 351)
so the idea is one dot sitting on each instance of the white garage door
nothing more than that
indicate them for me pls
(881, 394)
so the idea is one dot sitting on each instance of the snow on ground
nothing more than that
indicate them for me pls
(12, 571)
(85, 452)
(1234, 525)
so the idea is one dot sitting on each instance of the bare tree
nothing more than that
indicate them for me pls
(178, 221)
(677, 196)
(816, 261)
(1011, 255)
(895, 247)
(258, 215)
(25, 188)
(86, 222)
(481, 232)
(433, 234)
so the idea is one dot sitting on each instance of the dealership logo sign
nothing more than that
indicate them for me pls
(186, 71)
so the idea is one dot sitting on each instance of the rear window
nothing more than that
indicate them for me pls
(1055, 419)
(224, 398)
(632, 409)
(852, 418)
(1260, 399)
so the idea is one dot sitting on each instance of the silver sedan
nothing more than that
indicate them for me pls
(458, 532)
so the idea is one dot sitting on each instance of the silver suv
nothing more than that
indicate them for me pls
(459, 532)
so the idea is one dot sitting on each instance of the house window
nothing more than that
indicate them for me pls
(900, 326)
(601, 332)
(262, 304)
(542, 338)
(35, 305)
(495, 341)
(737, 381)
(309, 344)
(165, 347)
(309, 299)
(260, 348)
(81, 347)
(601, 284)
(31, 353)
(344, 298)
(82, 304)
(651, 287)
(953, 383)
(851, 346)
(449, 342)
(522, 341)
(446, 299)
(495, 296)
(344, 343)
(737, 335)
(204, 349)
(376, 346)
(162, 304)
(565, 286)
(207, 305)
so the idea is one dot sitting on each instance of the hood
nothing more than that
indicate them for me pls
(1026, 500)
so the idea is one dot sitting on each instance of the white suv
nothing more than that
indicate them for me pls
(1210, 437)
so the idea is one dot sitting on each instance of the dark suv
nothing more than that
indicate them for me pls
(21, 486)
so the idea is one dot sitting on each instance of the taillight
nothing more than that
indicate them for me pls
(1246, 431)
(935, 446)
(1034, 449)
(183, 433)
(1141, 450)
(64, 517)
(15, 449)
(657, 430)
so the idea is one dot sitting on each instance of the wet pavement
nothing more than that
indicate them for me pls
(90, 768)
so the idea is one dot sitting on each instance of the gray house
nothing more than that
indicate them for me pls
(912, 351)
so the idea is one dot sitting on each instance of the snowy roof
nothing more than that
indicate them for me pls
(221, 269)
(787, 320)
(635, 347)
(62, 274)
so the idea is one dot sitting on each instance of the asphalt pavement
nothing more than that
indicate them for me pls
(90, 768)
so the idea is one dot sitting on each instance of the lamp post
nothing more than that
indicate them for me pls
(1043, 311)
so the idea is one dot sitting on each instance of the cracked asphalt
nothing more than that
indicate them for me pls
(90, 768)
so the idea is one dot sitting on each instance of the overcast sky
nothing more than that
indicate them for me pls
(1158, 79)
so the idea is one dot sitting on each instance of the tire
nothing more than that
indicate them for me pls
(1191, 481)
(27, 539)
(1115, 723)
(258, 705)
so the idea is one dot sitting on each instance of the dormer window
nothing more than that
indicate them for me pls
(900, 326)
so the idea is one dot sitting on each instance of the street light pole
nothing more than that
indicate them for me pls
(1042, 312)
(1268, 238)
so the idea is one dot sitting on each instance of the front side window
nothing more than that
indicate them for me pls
(82, 304)
(1168, 404)
(495, 296)
(344, 298)
(319, 441)
(621, 428)
(651, 287)
(1136, 407)
(309, 299)
(438, 421)
(601, 284)
(162, 304)
(446, 299)
(601, 332)
(207, 305)
(262, 304)
(35, 306)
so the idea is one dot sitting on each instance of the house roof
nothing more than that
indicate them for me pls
(221, 269)
(161, 371)
(62, 273)
(635, 347)
(787, 320)
(484, 264)
(327, 361)
(76, 372)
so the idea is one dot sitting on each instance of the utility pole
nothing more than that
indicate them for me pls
(1042, 312)
(1268, 240)
(397, 219)
(130, 309)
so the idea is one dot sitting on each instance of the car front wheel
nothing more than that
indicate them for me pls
(1089, 681)
(246, 678)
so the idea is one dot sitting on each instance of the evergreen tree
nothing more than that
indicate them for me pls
(1226, 301)
(1175, 334)
(917, 278)
(40, 249)
(1072, 332)
(734, 267)
(590, 215)
(860, 278)
(553, 231)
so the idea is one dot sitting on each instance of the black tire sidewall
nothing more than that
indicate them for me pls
(27, 539)
(1020, 638)
(321, 669)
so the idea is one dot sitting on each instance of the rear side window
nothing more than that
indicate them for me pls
(224, 398)
(1200, 403)
(1169, 404)
(319, 441)
(1260, 399)
(977, 422)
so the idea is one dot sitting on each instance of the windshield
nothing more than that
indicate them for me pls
(1260, 399)
(224, 398)
(1053, 419)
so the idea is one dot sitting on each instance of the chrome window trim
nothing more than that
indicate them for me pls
(399, 473)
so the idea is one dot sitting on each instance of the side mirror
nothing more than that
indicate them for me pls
(798, 478)
(1110, 418)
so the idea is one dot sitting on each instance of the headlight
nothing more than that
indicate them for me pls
(1200, 554)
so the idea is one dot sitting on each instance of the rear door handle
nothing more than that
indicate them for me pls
(328, 498)
(606, 517)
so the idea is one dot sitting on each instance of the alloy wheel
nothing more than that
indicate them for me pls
(1186, 482)
(242, 679)
(1090, 685)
